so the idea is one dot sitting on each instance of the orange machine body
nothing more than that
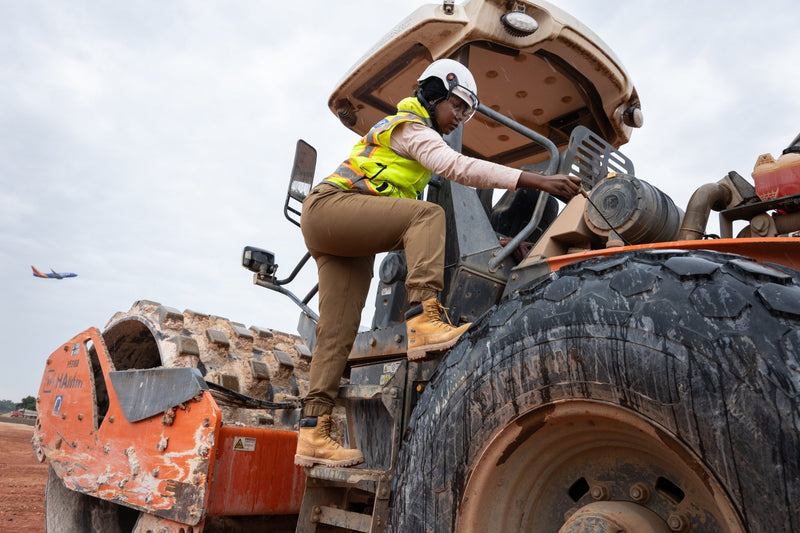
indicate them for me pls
(182, 464)
(778, 250)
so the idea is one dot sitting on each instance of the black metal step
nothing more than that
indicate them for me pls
(360, 478)
(360, 392)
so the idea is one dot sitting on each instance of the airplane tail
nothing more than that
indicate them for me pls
(38, 273)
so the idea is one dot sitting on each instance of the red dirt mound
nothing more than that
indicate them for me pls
(22, 480)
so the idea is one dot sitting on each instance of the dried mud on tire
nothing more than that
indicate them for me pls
(703, 346)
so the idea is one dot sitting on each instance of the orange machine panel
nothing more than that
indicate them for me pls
(254, 473)
(160, 465)
(780, 250)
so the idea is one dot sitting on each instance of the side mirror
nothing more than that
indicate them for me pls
(305, 162)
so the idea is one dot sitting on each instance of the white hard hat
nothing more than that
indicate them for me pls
(457, 80)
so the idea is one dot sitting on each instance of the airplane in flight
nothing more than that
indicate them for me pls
(53, 274)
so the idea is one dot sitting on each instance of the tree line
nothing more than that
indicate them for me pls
(28, 402)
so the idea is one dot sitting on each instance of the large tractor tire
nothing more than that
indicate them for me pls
(69, 511)
(649, 391)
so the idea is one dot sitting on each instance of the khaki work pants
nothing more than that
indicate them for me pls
(343, 231)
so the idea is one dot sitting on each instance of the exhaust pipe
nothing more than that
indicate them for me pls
(714, 196)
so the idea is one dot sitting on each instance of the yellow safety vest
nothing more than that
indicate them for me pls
(374, 168)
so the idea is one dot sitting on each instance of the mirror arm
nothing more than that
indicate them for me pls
(311, 293)
(296, 270)
(300, 303)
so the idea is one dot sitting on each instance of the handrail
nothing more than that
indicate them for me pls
(552, 167)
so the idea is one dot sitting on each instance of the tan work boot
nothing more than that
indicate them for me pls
(427, 332)
(316, 446)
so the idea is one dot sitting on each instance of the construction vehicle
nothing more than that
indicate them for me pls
(625, 371)
(24, 413)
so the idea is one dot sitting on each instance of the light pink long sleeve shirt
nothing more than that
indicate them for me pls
(421, 143)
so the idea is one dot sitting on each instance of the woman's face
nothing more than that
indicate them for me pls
(450, 113)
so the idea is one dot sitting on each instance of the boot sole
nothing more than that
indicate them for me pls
(420, 353)
(308, 462)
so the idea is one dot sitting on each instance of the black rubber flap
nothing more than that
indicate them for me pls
(148, 392)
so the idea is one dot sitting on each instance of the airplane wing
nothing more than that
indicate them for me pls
(56, 274)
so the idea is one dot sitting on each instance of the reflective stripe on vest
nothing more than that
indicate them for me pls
(375, 169)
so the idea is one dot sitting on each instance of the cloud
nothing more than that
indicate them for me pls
(143, 144)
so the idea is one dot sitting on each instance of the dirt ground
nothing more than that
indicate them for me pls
(22, 479)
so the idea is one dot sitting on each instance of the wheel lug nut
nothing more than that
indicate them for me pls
(600, 492)
(640, 493)
(678, 522)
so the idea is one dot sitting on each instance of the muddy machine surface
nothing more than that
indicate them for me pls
(625, 371)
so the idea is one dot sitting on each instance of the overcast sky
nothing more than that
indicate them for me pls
(143, 144)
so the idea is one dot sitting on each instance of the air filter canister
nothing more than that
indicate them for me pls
(637, 211)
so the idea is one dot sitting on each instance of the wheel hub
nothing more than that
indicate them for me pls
(583, 463)
(614, 517)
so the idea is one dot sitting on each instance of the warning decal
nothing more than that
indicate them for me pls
(244, 444)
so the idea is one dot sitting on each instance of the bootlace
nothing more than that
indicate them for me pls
(326, 427)
(437, 310)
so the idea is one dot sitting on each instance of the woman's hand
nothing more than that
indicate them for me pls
(559, 185)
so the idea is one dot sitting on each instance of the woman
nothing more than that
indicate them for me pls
(369, 205)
